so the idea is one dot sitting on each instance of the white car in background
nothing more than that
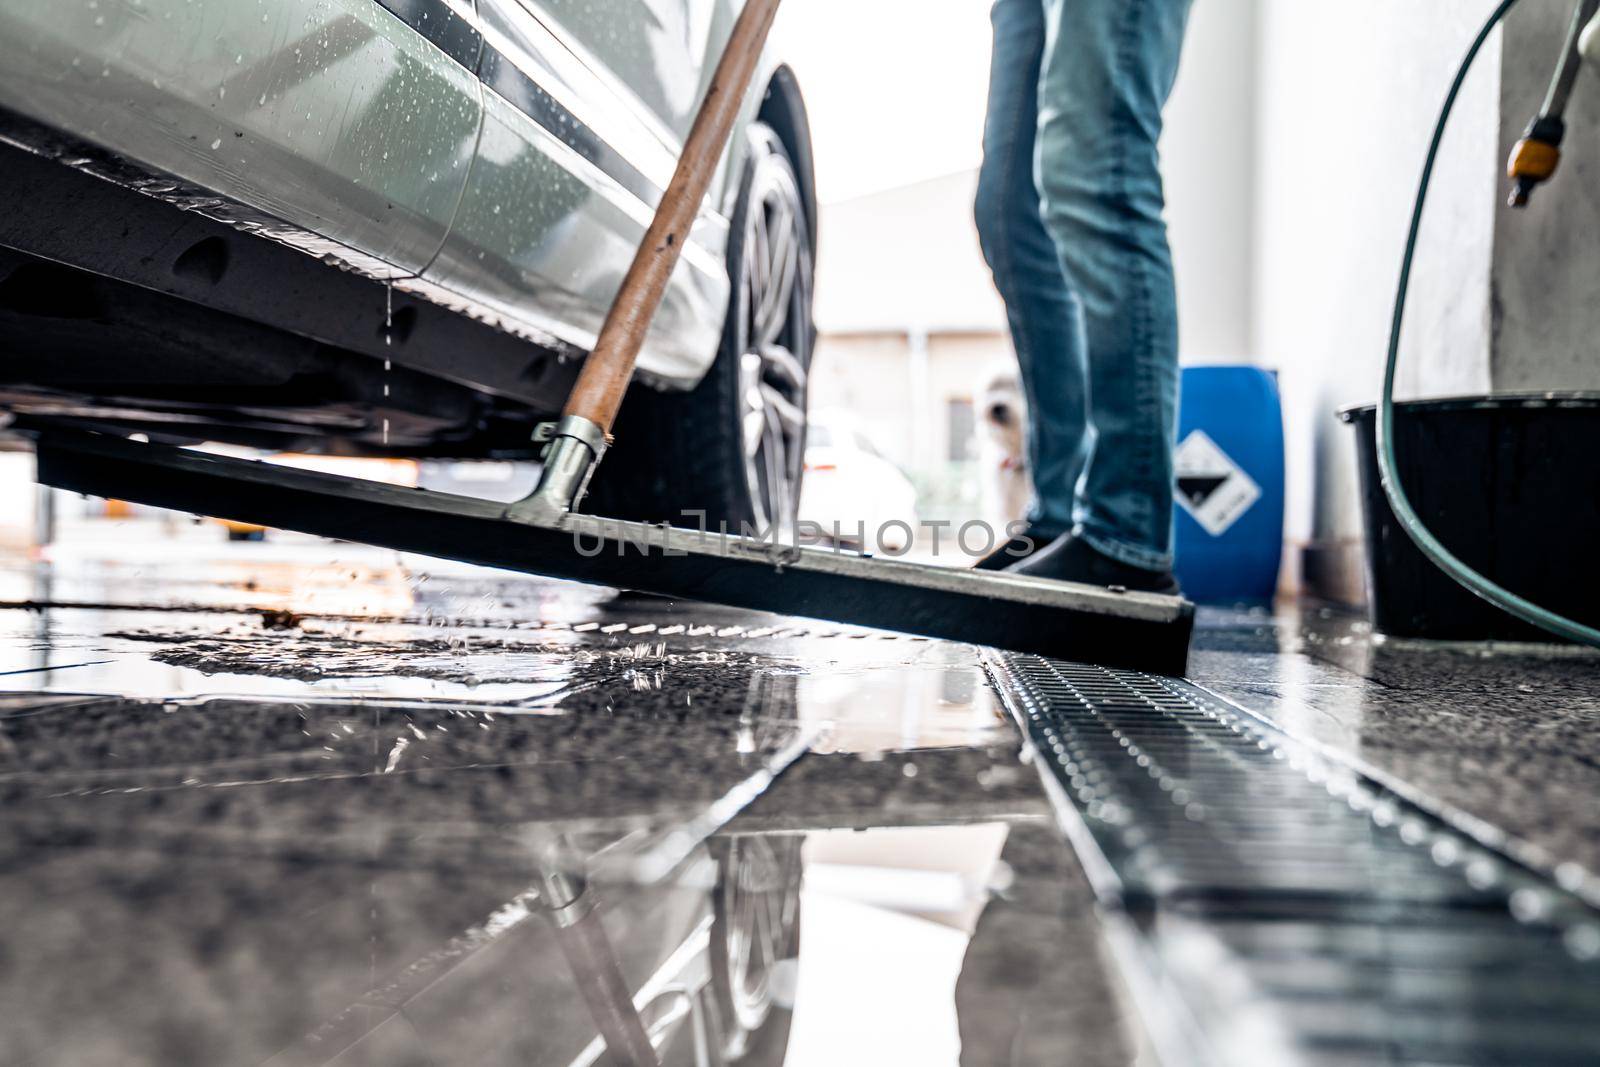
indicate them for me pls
(858, 498)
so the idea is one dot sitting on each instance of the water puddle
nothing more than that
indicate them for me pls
(522, 824)
(972, 944)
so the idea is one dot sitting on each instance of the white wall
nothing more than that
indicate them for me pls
(1349, 93)
(1208, 159)
(905, 259)
(18, 500)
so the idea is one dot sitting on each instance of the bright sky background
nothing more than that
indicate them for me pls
(895, 87)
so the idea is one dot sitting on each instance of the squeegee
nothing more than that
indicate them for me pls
(545, 535)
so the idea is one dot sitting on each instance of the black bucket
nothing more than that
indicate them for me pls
(1511, 485)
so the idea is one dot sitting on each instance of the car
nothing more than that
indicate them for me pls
(394, 227)
(853, 495)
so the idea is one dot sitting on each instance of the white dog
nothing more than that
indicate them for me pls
(1006, 482)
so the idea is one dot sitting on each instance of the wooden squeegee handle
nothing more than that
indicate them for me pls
(606, 373)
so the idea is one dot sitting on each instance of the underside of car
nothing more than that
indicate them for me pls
(146, 317)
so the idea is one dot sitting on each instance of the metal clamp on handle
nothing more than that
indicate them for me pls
(576, 446)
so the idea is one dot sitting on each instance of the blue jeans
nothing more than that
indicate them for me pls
(1069, 212)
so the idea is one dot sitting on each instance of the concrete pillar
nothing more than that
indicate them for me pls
(1546, 272)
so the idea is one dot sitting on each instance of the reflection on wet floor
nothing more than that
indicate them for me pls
(471, 829)
(238, 882)
(776, 949)
(874, 698)
(343, 809)
(508, 641)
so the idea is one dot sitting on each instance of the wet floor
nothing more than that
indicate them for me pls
(320, 804)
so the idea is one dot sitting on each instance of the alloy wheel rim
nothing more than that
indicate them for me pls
(758, 923)
(772, 373)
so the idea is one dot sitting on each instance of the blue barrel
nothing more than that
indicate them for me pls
(1229, 460)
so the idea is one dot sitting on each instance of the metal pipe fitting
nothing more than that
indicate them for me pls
(575, 449)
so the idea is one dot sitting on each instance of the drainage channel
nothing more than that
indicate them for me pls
(1270, 904)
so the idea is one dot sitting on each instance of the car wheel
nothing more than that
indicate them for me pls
(755, 927)
(734, 446)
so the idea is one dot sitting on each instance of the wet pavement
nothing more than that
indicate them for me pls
(322, 804)
(1507, 734)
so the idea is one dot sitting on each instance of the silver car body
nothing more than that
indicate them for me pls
(499, 157)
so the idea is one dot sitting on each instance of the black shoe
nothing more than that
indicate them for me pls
(1070, 559)
(1013, 551)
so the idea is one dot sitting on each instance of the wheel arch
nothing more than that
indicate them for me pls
(783, 107)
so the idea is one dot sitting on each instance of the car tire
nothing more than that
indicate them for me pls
(733, 448)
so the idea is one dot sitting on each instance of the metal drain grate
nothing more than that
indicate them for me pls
(1278, 907)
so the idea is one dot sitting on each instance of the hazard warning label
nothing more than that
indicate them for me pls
(1211, 486)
